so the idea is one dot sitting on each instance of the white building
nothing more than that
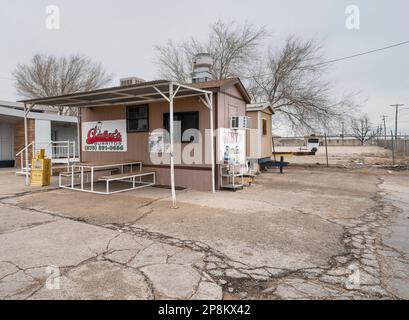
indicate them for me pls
(46, 130)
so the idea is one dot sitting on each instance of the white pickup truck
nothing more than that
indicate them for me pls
(313, 144)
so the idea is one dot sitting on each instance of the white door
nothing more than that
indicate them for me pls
(43, 136)
(6, 142)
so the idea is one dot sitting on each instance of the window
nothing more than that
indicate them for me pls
(188, 120)
(138, 118)
(313, 140)
(264, 127)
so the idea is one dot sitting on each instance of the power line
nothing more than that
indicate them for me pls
(350, 57)
(404, 116)
(365, 53)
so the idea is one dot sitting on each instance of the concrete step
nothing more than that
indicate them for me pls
(22, 173)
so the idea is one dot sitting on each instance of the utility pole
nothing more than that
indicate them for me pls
(378, 132)
(396, 118)
(384, 128)
(393, 149)
(326, 149)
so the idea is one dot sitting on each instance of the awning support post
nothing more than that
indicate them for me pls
(25, 145)
(208, 102)
(172, 159)
(212, 144)
(79, 132)
(27, 110)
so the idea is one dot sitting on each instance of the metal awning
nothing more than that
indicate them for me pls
(146, 92)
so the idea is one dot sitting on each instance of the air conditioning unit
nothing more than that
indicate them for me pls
(131, 81)
(239, 123)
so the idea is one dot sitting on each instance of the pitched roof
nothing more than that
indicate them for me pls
(222, 84)
(213, 83)
(259, 107)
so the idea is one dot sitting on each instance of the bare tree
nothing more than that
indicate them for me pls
(362, 129)
(47, 75)
(231, 46)
(291, 79)
(174, 62)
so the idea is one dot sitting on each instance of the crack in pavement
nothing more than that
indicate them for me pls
(28, 226)
(361, 241)
(28, 192)
(147, 205)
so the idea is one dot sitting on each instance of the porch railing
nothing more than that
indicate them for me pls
(61, 152)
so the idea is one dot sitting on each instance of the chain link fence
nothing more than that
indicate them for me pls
(399, 145)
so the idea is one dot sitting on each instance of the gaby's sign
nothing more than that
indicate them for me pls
(104, 136)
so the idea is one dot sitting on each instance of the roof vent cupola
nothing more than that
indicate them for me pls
(202, 64)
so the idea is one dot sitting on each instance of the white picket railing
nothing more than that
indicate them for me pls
(60, 152)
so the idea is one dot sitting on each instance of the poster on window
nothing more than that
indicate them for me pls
(104, 136)
(232, 146)
(157, 143)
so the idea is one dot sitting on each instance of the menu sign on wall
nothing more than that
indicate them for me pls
(157, 142)
(232, 146)
(104, 136)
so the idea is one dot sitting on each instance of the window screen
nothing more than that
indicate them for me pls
(138, 118)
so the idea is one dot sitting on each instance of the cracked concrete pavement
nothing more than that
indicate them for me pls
(313, 233)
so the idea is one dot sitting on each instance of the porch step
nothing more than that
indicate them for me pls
(22, 172)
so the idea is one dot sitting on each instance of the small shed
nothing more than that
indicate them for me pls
(259, 137)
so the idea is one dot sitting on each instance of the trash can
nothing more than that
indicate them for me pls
(40, 170)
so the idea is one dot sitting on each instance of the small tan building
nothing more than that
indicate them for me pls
(117, 124)
(230, 99)
(259, 137)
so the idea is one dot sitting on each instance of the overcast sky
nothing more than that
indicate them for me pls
(122, 34)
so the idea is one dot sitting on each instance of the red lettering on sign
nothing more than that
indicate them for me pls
(94, 137)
